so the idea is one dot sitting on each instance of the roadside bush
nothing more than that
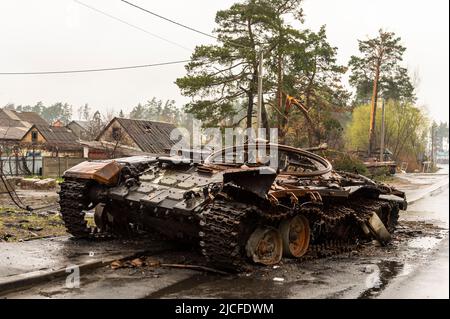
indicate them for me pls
(380, 174)
(345, 162)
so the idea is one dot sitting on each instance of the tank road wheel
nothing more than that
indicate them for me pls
(392, 219)
(265, 246)
(108, 222)
(101, 218)
(295, 233)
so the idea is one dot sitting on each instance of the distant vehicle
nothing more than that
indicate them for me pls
(373, 162)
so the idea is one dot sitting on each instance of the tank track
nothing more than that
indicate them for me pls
(362, 209)
(223, 223)
(221, 233)
(328, 248)
(73, 200)
(73, 195)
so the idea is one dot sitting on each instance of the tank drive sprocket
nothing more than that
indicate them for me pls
(73, 201)
(223, 233)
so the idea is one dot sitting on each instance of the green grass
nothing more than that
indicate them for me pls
(19, 225)
(383, 178)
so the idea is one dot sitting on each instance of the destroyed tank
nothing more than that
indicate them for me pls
(235, 212)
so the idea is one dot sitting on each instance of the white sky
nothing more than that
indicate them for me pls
(61, 34)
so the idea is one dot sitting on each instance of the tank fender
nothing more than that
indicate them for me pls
(256, 180)
(366, 190)
(105, 172)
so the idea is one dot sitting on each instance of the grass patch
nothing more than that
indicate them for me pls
(381, 174)
(19, 225)
(384, 178)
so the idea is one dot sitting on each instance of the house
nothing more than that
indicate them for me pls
(34, 135)
(14, 125)
(52, 141)
(80, 129)
(28, 145)
(141, 136)
(58, 123)
(97, 150)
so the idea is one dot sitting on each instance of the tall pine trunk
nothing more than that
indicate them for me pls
(373, 110)
(282, 122)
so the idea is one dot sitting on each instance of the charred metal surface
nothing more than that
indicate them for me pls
(256, 180)
(228, 209)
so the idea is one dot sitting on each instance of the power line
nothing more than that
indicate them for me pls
(170, 20)
(184, 26)
(133, 26)
(136, 27)
(96, 70)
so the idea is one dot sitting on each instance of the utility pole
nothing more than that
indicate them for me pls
(433, 141)
(260, 92)
(382, 132)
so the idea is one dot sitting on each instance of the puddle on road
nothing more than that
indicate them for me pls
(424, 242)
(381, 275)
(407, 269)
(220, 287)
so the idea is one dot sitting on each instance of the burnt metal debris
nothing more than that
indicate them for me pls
(235, 213)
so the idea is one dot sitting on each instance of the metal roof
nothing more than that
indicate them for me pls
(12, 132)
(14, 125)
(9, 119)
(60, 137)
(151, 136)
(32, 118)
(83, 124)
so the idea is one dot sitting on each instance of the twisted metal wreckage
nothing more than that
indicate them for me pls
(234, 212)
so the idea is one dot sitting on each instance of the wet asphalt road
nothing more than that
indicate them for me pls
(414, 265)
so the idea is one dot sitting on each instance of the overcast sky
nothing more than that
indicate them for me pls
(62, 34)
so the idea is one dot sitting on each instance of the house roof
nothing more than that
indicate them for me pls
(11, 127)
(151, 136)
(14, 125)
(83, 124)
(123, 150)
(20, 119)
(60, 137)
(12, 133)
(8, 118)
(32, 118)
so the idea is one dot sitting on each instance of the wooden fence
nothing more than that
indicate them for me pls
(55, 166)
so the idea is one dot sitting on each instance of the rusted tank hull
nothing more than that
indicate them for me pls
(233, 215)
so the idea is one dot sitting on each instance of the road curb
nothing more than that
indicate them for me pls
(439, 186)
(20, 281)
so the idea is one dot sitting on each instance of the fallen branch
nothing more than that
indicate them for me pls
(38, 237)
(321, 147)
